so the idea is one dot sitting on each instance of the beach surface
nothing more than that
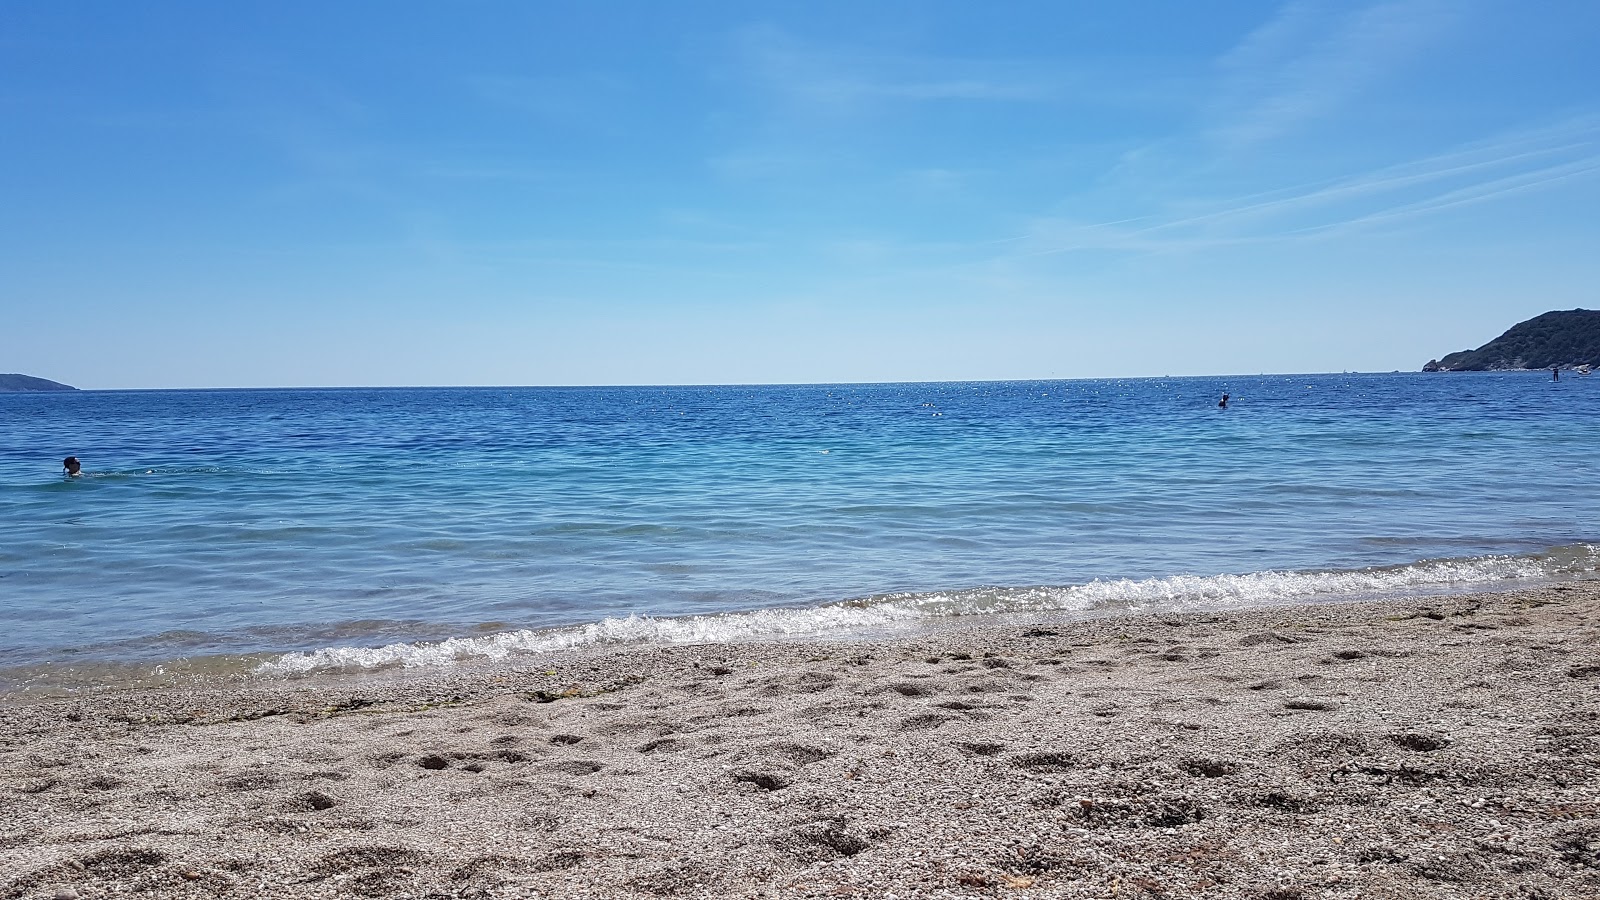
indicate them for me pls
(1428, 748)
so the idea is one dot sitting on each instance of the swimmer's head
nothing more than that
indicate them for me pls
(72, 465)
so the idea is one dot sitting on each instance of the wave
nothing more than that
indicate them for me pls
(1175, 593)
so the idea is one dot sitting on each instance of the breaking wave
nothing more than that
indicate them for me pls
(1176, 593)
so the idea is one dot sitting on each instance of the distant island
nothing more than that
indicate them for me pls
(1564, 338)
(16, 382)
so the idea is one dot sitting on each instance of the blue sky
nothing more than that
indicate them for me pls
(366, 193)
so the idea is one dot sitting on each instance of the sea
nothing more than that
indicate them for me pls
(294, 533)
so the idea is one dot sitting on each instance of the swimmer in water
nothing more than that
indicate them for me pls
(1223, 403)
(72, 466)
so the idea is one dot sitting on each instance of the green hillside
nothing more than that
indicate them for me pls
(1565, 338)
(16, 382)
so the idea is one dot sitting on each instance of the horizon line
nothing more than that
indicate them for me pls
(745, 384)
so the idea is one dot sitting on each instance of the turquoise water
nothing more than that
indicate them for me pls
(360, 528)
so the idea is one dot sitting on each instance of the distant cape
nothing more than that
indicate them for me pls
(1564, 338)
(29, 383)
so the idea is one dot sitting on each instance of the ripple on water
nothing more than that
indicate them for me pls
(261, 518)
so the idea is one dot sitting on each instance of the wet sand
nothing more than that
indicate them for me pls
(1436, 748)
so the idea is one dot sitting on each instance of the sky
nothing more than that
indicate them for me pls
(522, 193)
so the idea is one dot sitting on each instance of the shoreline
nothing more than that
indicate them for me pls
(1441, 746)
(891, 616)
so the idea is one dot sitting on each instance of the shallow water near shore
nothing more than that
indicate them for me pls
(360, 529)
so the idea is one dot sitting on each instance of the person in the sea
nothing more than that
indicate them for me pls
(1223, 403)
(72, 466)
(1555, 373)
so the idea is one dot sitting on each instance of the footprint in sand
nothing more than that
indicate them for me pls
(803, 683)
(312, 801)
(925, 720)
(1044, 761)
(799, 754)
(1210, 768)
(908, 689)
(249, 781)
(1421, 742)
(820, 841)
(764, 780)
(1310, 704)
(104, 865)
(374, 871)
(577, 767)
(1268, 639)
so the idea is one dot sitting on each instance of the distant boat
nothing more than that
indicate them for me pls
(1583, 369)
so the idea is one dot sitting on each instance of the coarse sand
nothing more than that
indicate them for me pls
(1428, 748)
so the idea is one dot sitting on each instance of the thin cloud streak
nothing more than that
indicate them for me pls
(1375, 182)
(1229, 221)
(1479, 193)
(837, 79)
(1311, 59)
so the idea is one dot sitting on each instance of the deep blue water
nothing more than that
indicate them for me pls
(265, 521)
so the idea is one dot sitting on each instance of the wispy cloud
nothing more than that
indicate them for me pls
(1517, 183)
(1517, 162)
(1313, 58)
(841, 79)
(1278, 94)
(1487, 161)
(806, 107)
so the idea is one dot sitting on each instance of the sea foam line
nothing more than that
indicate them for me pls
(1171, 593)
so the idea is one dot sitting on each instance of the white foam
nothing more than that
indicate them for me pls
(1174, 593)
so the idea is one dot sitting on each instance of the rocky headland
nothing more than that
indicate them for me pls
(14, 382)
(1563, 339)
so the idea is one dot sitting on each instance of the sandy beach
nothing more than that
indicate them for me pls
(1437, 748)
